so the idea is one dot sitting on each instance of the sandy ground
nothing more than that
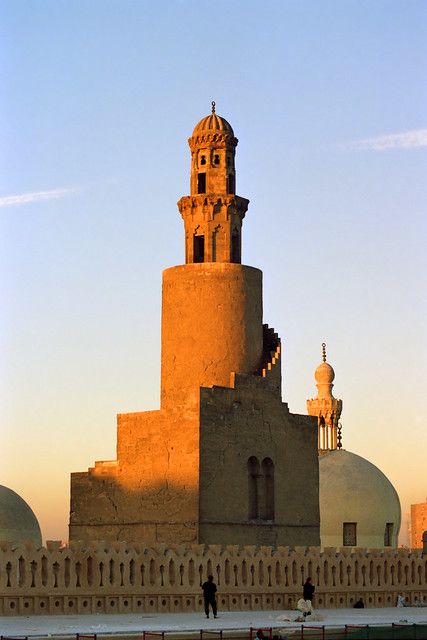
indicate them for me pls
(125, 624)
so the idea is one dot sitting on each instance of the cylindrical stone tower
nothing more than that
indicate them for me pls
(212, 305)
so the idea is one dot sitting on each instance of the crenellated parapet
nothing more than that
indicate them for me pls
(116, 577)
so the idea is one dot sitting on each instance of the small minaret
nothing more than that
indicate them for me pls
(326, 407)
(212, 213)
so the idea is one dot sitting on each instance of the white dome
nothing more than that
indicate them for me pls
(353, 490)
(17, 521)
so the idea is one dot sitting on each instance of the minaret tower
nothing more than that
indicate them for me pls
(212, 304)
(212, 213)
(223, 460)
(325, 407)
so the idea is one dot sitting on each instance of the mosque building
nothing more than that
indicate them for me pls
(223, 461)
(359, 507)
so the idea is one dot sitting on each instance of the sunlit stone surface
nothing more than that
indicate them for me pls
(223, 461)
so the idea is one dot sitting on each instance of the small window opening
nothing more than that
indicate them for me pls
(201, 183)
(231, 183)
(388, 534)
(349, 534)
(199, 249)
(203, 160)
(216, 159)
(235, 248)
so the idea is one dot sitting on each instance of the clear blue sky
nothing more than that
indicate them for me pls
(328, 100)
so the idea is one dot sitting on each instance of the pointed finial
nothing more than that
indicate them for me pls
(213, 106)
(324, 351)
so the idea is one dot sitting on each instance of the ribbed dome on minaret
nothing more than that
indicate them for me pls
(213, 122)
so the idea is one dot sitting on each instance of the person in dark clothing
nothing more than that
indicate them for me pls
(308, 590)
(209, 591)
(359, 604)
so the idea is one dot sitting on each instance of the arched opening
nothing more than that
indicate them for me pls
(321, 434)
(268, 474)
(253, 481)
(201, 183)
(198, 248)
(235, 247)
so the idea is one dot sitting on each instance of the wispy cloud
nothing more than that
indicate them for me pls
(35, 196)
(405, 140)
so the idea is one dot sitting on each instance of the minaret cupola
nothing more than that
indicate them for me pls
(212, 213)
(325, 407)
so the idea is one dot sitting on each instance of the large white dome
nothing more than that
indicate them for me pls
(355, 492)
(17, 521)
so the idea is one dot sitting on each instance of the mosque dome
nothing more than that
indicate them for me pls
(358, 504)
(324, 373)
(18, 523)
(213, 122)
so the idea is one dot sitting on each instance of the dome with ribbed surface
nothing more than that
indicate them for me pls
(18, 523)
(213, 122)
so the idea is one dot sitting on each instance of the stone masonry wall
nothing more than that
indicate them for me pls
(151, 492)
(251, 420)
(116, 578)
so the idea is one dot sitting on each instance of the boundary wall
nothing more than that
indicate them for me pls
(120, 578)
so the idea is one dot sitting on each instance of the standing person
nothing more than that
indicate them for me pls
(359, 604)
(209, 591)
(308, 590)
(401, 602)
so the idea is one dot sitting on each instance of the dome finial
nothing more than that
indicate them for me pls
(324, 351)
(213, 106)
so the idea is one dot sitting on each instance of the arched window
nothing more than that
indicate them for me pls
(268, 477)
(253, 489)
(260, 489)
(201, 183)
(235, 247)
